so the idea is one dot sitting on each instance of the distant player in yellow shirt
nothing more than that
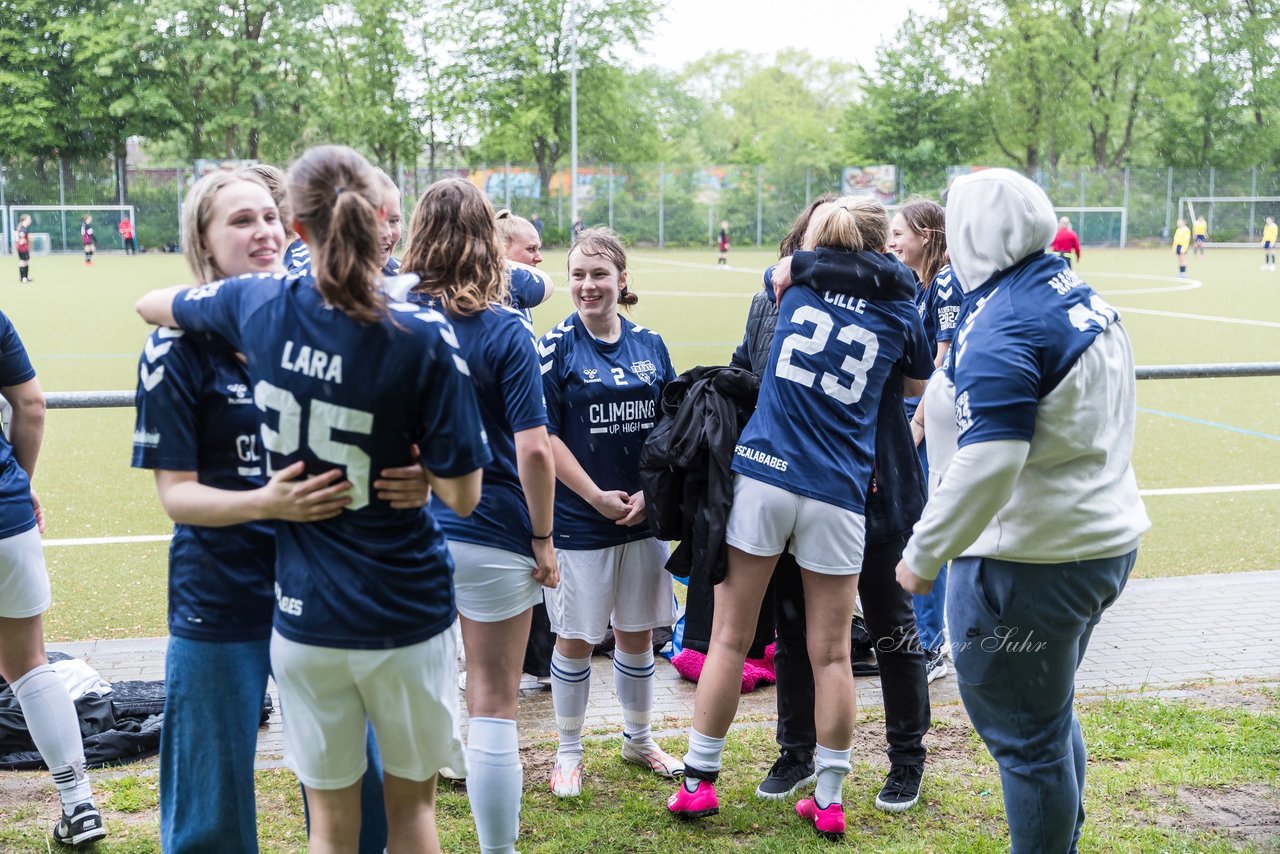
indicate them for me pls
(1181, 242)
(1200, 230)
(1269, 244)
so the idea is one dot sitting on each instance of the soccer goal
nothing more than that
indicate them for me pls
(1234, 221)
(62, 224)
(1098, 226)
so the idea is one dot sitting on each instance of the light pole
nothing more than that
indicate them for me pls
(573, 113)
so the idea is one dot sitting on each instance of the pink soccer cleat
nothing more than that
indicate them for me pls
(829, 823)
(699, 803)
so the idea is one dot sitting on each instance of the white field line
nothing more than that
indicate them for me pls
(1178, 284)
(1270, 324)
(1211, 490)
(108, 541)
(1146, 493)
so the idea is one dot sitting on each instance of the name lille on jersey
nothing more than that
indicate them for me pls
(760, 457)
(627, 416)
(311, 362)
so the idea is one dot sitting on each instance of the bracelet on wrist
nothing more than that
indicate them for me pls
(547, 537)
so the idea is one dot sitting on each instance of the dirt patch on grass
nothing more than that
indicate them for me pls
(1248, 813)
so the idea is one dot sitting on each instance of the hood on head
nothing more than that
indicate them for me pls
(995, 218)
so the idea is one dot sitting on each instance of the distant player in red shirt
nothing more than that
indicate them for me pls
(723, 244)
(1066, 241)
(22, 245)
(86, 237)
(126, 234)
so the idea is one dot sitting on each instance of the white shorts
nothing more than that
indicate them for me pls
(409, 694)
(24, 582)
(491, 585)
(824, 538)
(624, 585)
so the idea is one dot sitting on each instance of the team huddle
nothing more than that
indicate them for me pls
(358, 452)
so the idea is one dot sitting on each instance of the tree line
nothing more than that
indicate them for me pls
(1034, 84)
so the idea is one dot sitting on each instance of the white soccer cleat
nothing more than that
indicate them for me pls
(566, 779)
(653, 757)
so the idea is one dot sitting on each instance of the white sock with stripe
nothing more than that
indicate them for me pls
(570, 691)
(704, 754)
(832, 767)
(55, 729)
(633, 680)
(495, 780)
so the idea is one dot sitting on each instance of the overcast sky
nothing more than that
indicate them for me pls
(837, 29)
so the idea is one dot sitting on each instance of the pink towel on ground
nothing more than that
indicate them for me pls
(755, 671)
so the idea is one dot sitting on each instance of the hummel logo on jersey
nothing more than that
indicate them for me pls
(590, 375)
(646, 371)
(155, 351)
(239, 392)
(150, 379)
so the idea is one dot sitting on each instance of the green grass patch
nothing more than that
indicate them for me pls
(1153, 763)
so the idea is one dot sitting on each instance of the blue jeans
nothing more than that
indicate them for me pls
(1019, 633)
(930, 607)
(213, 704)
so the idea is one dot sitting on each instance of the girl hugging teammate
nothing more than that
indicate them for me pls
(831, 356)
(364, 601)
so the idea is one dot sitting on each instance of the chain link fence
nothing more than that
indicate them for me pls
(669, 204)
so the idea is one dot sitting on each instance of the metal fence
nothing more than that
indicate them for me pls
(683, 205)
(119, 399)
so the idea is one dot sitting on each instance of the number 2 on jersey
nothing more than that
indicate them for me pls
(816, 342)
(323, 419)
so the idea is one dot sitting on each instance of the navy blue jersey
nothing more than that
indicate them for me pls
(527, 290)
(195, 413)
(297, 256)
(1034, 322)
(939, 306)
(297, 259)
(336, 393)
(602, 401)
(17, 514)
(498, 344)
(814, 428)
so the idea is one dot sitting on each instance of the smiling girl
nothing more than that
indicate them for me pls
(603, 376)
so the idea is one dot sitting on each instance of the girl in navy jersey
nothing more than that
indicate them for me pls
(363, 600)
(918, 236)
(805, 490)
(198, 428)
(24, 597)
(603, 376)
(502, 552)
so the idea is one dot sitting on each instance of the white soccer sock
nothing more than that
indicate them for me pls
(570, 691)
(633, 680)
(704, 754)
(51, 720)
(495, 780)
(832, 767)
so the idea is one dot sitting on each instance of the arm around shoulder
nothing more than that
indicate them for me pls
(156, 307)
